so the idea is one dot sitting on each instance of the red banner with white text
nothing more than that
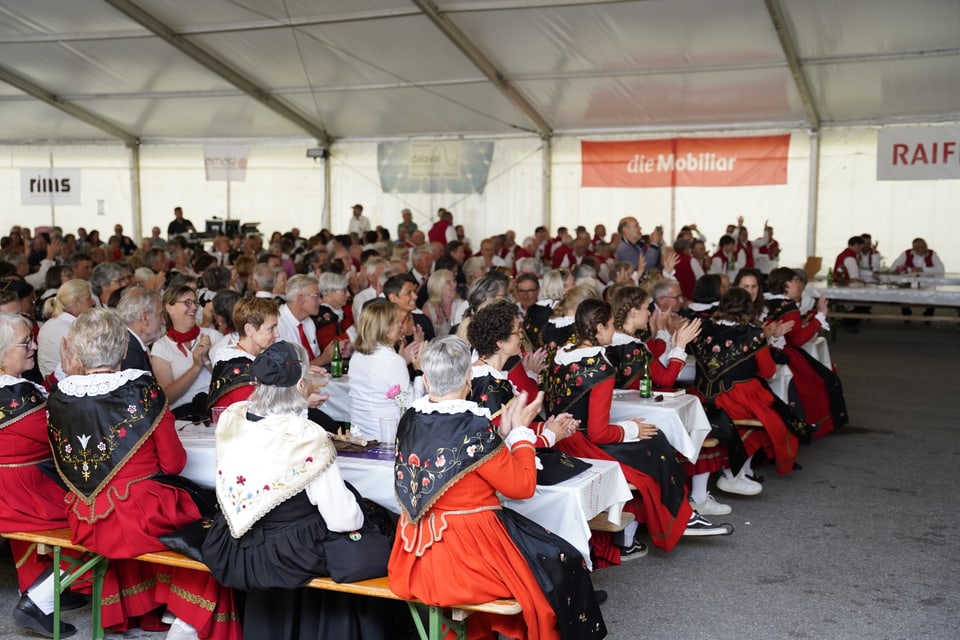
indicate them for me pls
(686, 162)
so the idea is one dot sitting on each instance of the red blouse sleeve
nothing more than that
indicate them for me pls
(599, 429)
(518, 376)
(512, 473)
(666, 376)
(170, 452)
(766, 367)
(800, 334)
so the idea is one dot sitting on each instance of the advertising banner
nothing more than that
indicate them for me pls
(226, 163)
(434, 166)
(686, 162)
(46, 186)
(918, 153)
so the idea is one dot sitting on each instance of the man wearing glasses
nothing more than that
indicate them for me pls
(296, 323)
(527, 288)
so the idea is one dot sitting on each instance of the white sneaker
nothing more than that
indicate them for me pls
(181, 630)
(739, 485)
(710, 507)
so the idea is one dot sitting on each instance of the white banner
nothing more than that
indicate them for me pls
(918, 153)
(47, 187)
(226, 163)
(435, 159)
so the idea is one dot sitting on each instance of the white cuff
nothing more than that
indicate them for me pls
(531, 375)
(823, 320)
(664, 335)
(670, 275)
(631, 431)
(550, 436)
(521, 434)
(677, 353)
(777, 341)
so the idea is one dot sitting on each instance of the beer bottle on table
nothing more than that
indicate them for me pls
(336, 363)
(646, 384)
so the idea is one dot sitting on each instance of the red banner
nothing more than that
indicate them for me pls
(686, 162)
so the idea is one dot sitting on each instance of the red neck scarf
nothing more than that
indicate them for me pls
(181, 337)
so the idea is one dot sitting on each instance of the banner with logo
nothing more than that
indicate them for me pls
(686, 162)
(434, 166)
(46, 186)
(226, 163)
(918, 153)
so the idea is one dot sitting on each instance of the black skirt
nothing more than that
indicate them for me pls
(658, 459)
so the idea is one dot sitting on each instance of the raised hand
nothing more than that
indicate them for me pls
(686, 333)
(536, 361)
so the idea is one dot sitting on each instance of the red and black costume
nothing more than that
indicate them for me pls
(628, 355)
(456, 544)
(535, 321)
(30, 500)
(331, 325)
(581, 382)
(731, 359)
(232, 378)
(819, 388)
(110, 434)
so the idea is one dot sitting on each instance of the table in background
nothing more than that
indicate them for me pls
(681, 419)
(938, 296)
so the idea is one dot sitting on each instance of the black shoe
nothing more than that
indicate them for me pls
(634, 551)
(70, 601)
(28, 616)
(700, 526)
(600, 596)
(756, 477)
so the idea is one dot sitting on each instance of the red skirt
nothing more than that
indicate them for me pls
(750, 400)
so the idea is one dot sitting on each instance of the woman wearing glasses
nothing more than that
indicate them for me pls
(180, 358)
(29, 498)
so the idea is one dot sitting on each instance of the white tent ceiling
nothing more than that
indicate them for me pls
(83, 70)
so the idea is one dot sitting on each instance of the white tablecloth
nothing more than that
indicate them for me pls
(820, 350)
(563, 508)
(945, 296)
(681, 419)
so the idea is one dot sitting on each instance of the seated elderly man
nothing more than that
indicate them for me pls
(921, 260)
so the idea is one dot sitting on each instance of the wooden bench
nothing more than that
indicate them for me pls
(55, 541)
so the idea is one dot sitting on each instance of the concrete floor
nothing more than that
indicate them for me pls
(858, 544)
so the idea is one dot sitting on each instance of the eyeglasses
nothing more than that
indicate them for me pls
(527, 290)
(312, 295)
(27, 344)
(518, 333)
(122, 279)
(188, 303)
(676, 297)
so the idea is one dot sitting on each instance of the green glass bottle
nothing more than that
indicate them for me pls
(829, 277)
(336, 363)
(646, 384)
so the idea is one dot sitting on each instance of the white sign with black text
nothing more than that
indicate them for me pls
(47, 187)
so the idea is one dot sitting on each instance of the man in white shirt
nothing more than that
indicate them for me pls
(296, 323)
(921, 260)
(358, 223)
(376, 272)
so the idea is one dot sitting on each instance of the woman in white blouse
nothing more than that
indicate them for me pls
(379, 378)
(180, 358)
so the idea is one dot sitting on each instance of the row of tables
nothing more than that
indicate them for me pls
(565, 508)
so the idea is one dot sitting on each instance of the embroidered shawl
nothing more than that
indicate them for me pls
(262, 463)
(725, 356)
(96, 423)
(570, 378)
(18, 399)
(229, 375)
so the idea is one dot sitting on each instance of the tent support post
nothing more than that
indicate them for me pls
(327, 181)
(136, 210)
(547, 214)
(813, 190)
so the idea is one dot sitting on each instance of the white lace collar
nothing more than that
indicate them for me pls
(775, 296)
(569, 356)
(98, 384)
(480, 370)
(702, 306)
(424, 405)
(564, 321)
(7, 380)
(620, 339)
(231, 352)
(547, 302)
(726, 323)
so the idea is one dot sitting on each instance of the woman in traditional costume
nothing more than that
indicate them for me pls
(819, 388)
(334, 316)
(581, 381)
(282, 498)
(232, 381)
(556, 283)
(732, 355)
(30, 500)
(451, 462)
(111, 432)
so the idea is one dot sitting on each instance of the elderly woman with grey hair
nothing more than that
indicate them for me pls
(272, 542)
(335, 316)
(107, 277)
(451, 462)
(111, 435)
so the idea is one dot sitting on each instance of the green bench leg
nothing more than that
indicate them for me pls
(437, 624)
(63, 579)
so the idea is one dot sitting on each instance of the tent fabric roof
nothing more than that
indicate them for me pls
(366, 69)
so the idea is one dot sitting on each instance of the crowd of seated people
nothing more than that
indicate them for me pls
(574, 316)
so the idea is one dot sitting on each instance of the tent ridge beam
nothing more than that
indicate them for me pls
(483, 63)
(57, 102)
(215, 65)
(793, 61)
